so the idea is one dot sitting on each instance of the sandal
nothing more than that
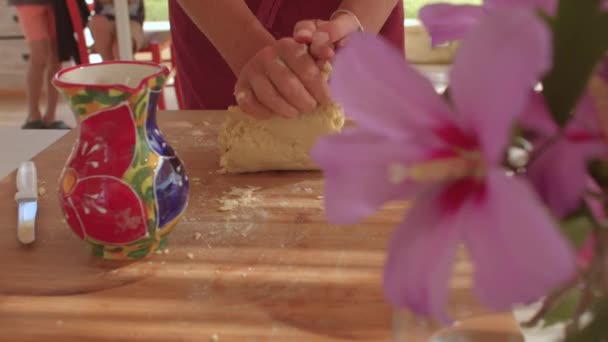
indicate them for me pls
(36, 124)
(57, 125)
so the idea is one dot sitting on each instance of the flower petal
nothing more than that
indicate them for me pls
(559, 173)
(447, 22)
(378, 89)
(171, 189)
(109, 210)
(518, 253)
(106, 143)
(548, 6)
(537, 119)
(356, 166)
(493, 74)
(585, 117)
(420, 259)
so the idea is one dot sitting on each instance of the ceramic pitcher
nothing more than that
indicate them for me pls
(123, 188)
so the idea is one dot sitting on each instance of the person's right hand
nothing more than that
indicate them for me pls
(281, 79)
(325, 36)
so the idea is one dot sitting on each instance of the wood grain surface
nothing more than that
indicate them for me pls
(269, 269)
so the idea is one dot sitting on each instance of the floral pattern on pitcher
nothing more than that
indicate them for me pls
(124, 188)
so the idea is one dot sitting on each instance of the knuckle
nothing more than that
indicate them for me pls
(285, 45)
(311, 74)
(285, 41)
(267, 53)
(290, 86)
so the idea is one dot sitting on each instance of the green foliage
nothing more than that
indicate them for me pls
(564, 309)
(157, 10)
(596, 331)
(576, 228)
(411, 7)
(578, 46)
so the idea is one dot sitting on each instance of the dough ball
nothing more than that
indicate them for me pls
(277, 144)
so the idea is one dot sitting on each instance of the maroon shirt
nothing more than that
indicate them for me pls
(207, 81)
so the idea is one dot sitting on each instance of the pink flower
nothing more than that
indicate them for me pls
(586, 252)
(446, 22)
(410, 144)
(559, 166)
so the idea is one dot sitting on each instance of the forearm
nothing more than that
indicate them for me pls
(231, 27)
(371, 14)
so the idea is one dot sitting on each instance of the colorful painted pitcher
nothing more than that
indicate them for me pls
(123, 188)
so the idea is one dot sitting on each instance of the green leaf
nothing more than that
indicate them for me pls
(599, 171)
(578, 46)
(151, 226)
(81, 99)
(98, 250)
(564, 309)
(595, 331)
(149, 195)
(140, 108)
(576, 228)
(140, 176)
(139, 253)
(163, 243)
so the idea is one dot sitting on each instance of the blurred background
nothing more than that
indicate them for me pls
(14, 55)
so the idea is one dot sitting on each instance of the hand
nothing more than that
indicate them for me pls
(281, 79)
(325, 36)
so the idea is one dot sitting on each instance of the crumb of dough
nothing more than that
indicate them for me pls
(238, 197)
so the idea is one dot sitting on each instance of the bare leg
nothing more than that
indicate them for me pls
(102, 30)
(115, 51)
(136, 34)
(39, 51)
(52, 95)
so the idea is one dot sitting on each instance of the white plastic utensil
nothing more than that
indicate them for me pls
(27, 199)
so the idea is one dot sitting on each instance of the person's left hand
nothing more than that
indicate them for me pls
(281, 79)
(325, 36)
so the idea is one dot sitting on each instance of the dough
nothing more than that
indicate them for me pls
(251, 145)
(277, 144)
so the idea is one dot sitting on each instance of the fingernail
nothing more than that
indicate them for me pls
(240, 96)
(304, 33)
(312, 105)
(303, 50)
(320, 38)
(280, 62)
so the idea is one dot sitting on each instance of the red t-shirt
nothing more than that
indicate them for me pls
(208, 82)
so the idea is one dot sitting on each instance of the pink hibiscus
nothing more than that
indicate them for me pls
(410, 144)
(446, 22)
(559, 166)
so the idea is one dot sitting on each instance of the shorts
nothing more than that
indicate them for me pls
(137, 32)
(37, 22)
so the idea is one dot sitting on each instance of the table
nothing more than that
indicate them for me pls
(271, 270)
(22, 144)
